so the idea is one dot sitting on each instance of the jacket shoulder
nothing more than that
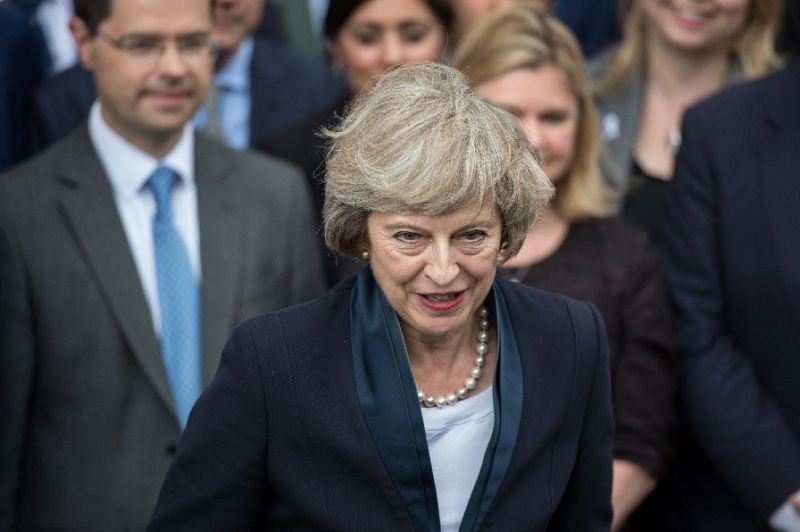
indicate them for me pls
(745, 101)
(323, 321)
(248, 164)
(44, 167)
(548, 310)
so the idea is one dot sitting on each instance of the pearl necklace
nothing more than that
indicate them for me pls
(474, 374)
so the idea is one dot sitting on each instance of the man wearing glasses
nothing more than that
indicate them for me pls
(128, 253)
(259, 87)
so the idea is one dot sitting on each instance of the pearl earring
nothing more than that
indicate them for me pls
(365, 255)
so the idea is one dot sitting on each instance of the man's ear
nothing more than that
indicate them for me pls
(84, 41)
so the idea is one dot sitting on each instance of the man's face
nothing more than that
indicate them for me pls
(234, 20)
(152, 64)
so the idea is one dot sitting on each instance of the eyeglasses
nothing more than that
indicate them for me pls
(194, 48)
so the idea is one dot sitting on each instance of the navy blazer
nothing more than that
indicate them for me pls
(22, 61)
(730, 238)
(279, 440)
(285, 87)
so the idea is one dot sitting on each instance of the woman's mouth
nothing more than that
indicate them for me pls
(442, 302)
(690, 19)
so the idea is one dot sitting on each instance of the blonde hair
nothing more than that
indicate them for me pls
(419, 140)
(524, 36)
(754, 47)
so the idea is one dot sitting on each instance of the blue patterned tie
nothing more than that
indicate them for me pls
(179, 299)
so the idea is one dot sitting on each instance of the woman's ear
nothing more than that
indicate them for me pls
(502, 254)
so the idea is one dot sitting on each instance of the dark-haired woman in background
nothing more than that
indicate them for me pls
(365, 37)
(527, 62)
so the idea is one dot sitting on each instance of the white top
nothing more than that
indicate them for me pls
(457, 439)
(786, 518)
(53, 17)
(128, 169)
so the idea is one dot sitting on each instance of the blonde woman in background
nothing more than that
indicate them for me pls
(673, 54)
(528, 63)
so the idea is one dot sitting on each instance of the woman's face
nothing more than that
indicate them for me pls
(695, 24)
(435, 270)
(383, 33)
(545, 106)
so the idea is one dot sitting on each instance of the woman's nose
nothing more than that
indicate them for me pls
(392, 51)
(534, 133)
(441, 267)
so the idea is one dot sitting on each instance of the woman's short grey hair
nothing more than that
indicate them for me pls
(420, 141)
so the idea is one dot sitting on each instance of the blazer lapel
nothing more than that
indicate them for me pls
(778, 167)
(88, 205)
(620, 123)
(220, 211)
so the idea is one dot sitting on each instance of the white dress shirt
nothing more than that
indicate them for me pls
(53, 17)
(786, 518)
(457, 437)
(128, 169)
(234, 99)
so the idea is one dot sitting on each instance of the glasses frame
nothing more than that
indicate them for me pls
(157, 52)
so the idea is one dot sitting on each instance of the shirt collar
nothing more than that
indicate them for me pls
(235, 76)
(128, 167)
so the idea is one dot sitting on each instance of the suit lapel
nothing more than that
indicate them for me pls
(88, 205)
(778, 166)
(221, 213)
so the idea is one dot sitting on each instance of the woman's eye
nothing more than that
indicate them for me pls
(414, 33)
(367, 37)
(407, 236)
(554, 117)
(474, 235)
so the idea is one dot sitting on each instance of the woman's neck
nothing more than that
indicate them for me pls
(675, 79)
(439, 353)
(685, 76)
(441, 366)
(543, 239)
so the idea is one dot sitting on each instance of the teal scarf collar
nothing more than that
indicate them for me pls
(388, 399)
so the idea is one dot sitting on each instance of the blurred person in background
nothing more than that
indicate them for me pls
(22, 52)
(673, 54)
(129, 252)
(594, 22)
(527, 62)
(788, 41)
(729, 242)
(365, 37)
(259, 87)
(467, 13)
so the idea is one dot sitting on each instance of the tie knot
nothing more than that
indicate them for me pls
(160, 183)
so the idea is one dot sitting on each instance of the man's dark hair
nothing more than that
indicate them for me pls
(94, 12)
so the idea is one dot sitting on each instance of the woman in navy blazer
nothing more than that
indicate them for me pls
(421, 394)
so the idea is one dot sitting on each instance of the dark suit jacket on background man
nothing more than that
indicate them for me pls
(87, 419)
(731, 244)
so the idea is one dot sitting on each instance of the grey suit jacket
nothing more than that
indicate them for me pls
(620, 111)
(87, 421)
